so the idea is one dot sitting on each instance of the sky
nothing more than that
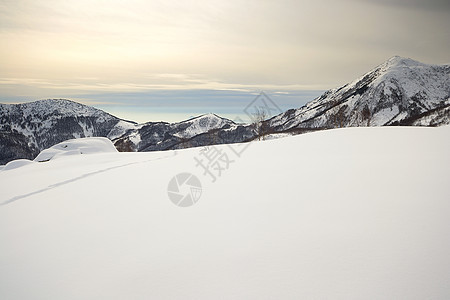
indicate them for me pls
(151, 60)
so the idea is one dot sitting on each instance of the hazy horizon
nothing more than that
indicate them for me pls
(170, 106)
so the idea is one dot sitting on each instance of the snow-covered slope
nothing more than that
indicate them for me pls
(399, 91)
(353, 213)
(200, 124)
(26, 129)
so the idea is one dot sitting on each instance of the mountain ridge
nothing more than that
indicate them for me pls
(28, 128)
(403, 87)
(400, 91)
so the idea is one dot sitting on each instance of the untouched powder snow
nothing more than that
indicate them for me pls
(355, 213)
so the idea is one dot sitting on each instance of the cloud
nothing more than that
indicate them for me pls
(71, 47)
(433, 5)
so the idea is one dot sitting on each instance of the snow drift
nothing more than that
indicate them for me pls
(88, 145)
(16, 164)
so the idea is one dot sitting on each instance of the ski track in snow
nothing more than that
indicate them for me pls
(50, 187)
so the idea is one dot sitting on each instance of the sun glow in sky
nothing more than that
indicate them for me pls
(133, 54)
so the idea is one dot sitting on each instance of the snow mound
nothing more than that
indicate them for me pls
(75, 147)
(16, 164)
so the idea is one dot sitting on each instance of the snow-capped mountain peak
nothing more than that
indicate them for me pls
(399, 91)
(398, 60)
(201, 124)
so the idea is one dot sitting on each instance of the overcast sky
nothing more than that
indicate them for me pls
(154, 50)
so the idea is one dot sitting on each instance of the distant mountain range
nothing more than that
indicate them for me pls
(26, 129)
(400, 91)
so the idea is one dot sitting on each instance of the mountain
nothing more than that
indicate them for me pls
(400, 91)
(26, 129)
(199, 131)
